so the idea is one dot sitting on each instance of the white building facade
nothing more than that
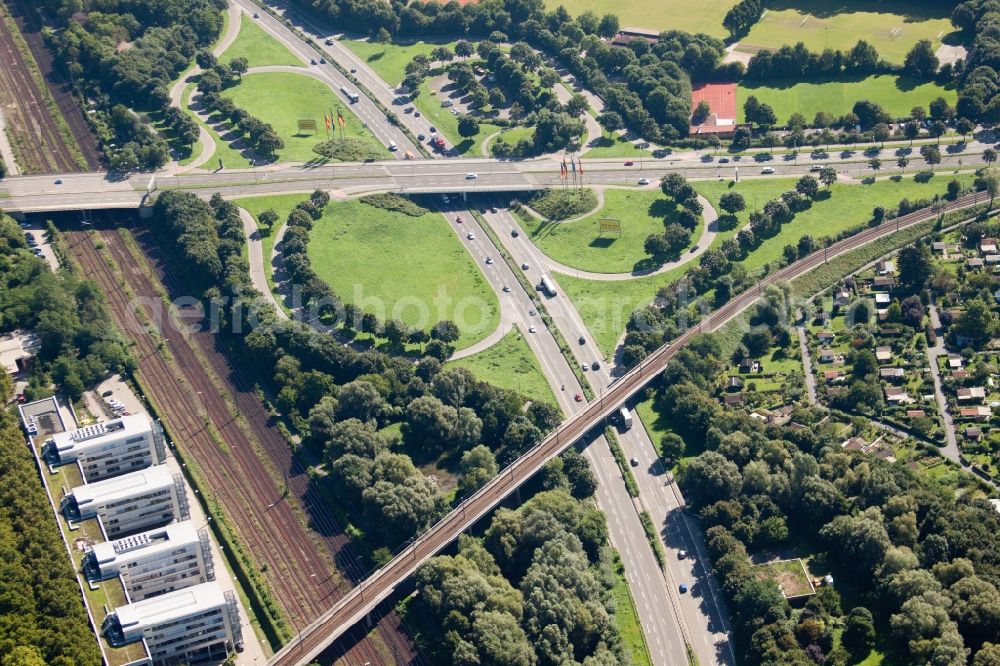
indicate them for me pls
(191, 626)
(110, 448)
(155, 562)
(130, 503)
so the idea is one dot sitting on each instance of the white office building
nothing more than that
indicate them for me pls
(190, 626)
(154, 562)
(110, 448)
(130, 503)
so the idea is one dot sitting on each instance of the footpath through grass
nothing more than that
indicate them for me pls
(891, 26)
(282, 99)
(510, 364)
(414, 269)
(896, 94)
(258, 47)
(580, 244)
(389, 61)
(282, 205)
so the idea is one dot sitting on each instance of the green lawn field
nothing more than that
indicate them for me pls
(258, 47)
(897, 94)
(891, 26)
(605, 306)
(299, 97)
(512, 135)
(613, 145)
(580, 244)
(657, 14)
(389, 60)
(229, 156)
(510, 364)
(410, 268)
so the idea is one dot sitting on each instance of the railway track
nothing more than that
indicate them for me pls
(382, 583)
(206, 429)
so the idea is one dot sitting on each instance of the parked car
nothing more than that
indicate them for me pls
(724, 160)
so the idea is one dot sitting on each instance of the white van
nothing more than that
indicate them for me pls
(392, 145)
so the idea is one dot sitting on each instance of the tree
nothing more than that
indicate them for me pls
(497, 98)
(940, 109)
(468, 126)
(965, 127)
(931, 154)
(608, 26)
(464, 49)
(901, 163)
(446, 331)
(383, 36)
(881, 132)
(859, 632)
(861, 58)
(921, 62)
(577, 105)
(478, 465)
(209, 82)
(807, 186)
(732, 202)
(870, 113)
(610, 121)
(875, 163)
(989, 156)
(911, 131)
(977, 322)
(710, 477)
(937, 129)
(828, 176)
(361, 400)
(239, 66)
(673, 447)
(701, 112)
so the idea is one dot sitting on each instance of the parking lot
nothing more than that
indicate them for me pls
(40, 243)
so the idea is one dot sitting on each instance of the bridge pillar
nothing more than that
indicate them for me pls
(368, 621)
(465, 196)
(145, 212)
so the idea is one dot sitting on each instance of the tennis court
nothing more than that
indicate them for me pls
(721, 97)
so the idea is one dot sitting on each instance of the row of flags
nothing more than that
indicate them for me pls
(329, 119)
(574, 167)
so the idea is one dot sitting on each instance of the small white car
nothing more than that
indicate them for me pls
(471, 175)
(470, 236)
(644, 181)
(767, 170)
(531, 329)
(489, 260)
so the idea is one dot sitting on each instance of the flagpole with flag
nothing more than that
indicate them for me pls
(563, 171)
(579, 166)
(329, 124)
(572, 168)
(341, 121)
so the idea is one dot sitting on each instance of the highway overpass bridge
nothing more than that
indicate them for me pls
(380, 585)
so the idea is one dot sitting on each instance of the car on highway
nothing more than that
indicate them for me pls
(58, 181)
(408, 109)
(256, 15)
(767, 170)
(524, 266)
(724, 160)
(459, 220)
(683, 588)
(596, 365)
(514, 233)
(682, 554)
(644, 181)
(354, 70)
(584, 367)
(471, 236)
(532, 312)
(578, 397)
(322, 61)
(493, 209)
(416, 114)
(582, 340)
(433, 129)
(489, 260)
(634, 462)
(471, 175)
(531, 329)
(421, 137)
(329, 41)
(312, 61)
(816, 167)
(630, 163)
(506, 289)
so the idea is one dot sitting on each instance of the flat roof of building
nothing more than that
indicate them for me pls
(125, 486)
(80, 440)
(146, 543)
(15, 347)
(171, 606)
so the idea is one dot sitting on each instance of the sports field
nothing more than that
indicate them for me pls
(896, 94)
(298, 96)
(423, 275)
(580, 244)
(258, 47)
(891, 26)
(389, 60)
(657, 14)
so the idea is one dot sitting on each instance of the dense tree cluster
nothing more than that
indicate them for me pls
(78, 346)
(978, 100)
(533, 590)
(922, 563)
(127, 52)
(44, 621)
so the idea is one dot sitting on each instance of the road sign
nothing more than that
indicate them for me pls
(610, 225)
